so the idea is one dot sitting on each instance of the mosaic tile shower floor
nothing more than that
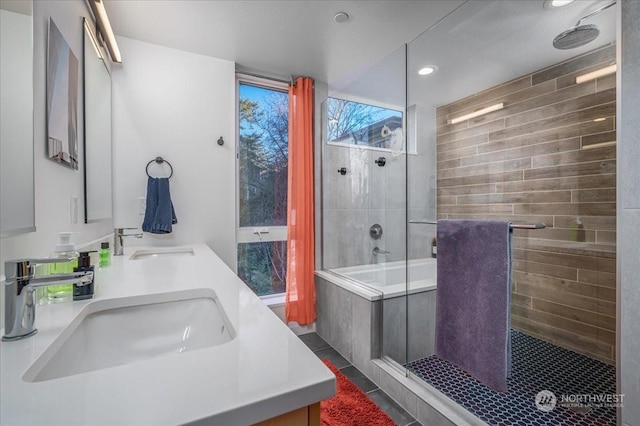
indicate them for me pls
(536, 366)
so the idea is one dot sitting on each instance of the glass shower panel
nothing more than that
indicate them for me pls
(364, 192)
(364, 168)
(510, 133)
(420, 301)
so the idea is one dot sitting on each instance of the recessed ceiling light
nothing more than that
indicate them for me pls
(549, 4)
(429, 69)
(341, 17)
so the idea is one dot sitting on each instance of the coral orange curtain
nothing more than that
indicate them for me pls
(300, 304)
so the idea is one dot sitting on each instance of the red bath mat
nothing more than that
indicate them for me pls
(350, 406)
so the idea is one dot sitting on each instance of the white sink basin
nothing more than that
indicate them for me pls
(161, 252)
(113, 332)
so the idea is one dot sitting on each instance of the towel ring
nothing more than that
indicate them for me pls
(159, 160)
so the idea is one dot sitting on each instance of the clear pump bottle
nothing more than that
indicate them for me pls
(64, 249)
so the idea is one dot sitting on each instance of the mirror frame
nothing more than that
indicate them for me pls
(87, 54)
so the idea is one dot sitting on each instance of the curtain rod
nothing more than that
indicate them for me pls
(290, 81)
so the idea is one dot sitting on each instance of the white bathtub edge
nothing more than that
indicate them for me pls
(351, 286)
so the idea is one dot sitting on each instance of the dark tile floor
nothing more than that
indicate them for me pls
(536, 366)
(388, 405)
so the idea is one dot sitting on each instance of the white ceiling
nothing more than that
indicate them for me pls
(476, 44)
(281, 38)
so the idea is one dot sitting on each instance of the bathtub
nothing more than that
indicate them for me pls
(382, 322)
(384, 280)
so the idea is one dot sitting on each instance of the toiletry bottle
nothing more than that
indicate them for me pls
(573, 232)
(577, 232)
(84, 264)
(64, 249)
(434, 248)
(580, 232)
(105, 255)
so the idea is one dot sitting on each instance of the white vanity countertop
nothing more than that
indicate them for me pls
(263, 372)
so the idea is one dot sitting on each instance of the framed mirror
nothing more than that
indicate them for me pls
(97, 130)
(17, 204)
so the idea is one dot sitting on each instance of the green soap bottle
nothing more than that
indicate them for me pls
(105, 255)
(64, 249)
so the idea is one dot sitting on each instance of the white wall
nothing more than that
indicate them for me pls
(54, 184)
(176, 104)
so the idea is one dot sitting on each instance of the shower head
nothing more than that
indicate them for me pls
(579, 35)
(576, 37)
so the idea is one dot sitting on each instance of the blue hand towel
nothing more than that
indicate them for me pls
(159, 214)
(473, 296)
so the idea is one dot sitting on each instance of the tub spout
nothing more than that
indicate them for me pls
(376, 251)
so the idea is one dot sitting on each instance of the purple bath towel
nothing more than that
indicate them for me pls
(472, 308)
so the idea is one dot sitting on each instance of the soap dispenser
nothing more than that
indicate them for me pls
(84, 264)
(64, 249)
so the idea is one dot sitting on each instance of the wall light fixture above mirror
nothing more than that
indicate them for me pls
(104, 26)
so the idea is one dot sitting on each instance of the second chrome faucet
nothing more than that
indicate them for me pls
(118, 240)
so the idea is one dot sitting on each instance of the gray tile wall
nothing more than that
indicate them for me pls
(350, 324)
(366, 195)
(629, 212)
(421, 322)
(370, 194)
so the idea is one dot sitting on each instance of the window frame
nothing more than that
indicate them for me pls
(408, 120)
(254, 234)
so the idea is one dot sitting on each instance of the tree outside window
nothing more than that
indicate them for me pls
(262, 190)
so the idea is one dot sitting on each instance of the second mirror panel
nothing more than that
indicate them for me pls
(97, 131)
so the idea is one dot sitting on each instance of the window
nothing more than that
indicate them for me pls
(262, 161)
(355, 123)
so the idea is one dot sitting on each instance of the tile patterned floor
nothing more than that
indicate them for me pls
(536, 366)
(388, 405)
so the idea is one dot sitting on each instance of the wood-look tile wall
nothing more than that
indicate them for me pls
(549, 156)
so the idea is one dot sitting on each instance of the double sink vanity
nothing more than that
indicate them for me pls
(172, 336)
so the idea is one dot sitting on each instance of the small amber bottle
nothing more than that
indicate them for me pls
(434, 248)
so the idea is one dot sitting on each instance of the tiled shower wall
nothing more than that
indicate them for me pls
(544, 158)
(367, 194)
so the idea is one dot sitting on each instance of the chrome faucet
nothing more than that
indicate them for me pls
(19, 293)
(376, 251)
(118, 237)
